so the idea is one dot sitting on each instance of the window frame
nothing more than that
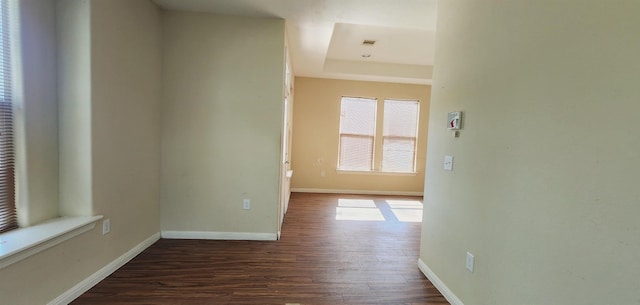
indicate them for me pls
(33, 235)
(415, 138)
(377, 155)
(373, 136)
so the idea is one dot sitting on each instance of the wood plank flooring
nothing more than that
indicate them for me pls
(325, 256)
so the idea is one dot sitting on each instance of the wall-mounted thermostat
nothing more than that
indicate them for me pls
(454, 119)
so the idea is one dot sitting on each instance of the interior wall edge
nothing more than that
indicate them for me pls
(438, 283)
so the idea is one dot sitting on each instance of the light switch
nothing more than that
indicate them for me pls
(448, 163)
(470, 262)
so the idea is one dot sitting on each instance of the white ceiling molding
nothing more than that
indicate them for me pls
(415, 74)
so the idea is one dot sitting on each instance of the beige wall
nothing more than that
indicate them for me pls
(222, 120)
(74, 103)
(126, 90)
(316, 122)
(124, 87)
(544, 187)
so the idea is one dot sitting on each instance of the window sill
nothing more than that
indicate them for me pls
(348, 172)
(21, 243)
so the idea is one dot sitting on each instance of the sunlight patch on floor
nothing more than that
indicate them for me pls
(367, 210)
(406, 210)
(360, 214)
(356, 203)
(358, 209)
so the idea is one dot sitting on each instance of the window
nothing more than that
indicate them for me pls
(17, 244)
(359, 131)
(8, 219)
(400, 129)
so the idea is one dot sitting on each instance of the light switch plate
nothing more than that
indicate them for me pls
(106, 226)
(470, 262)
(448, 163)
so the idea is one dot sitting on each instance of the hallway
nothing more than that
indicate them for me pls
(334, 249)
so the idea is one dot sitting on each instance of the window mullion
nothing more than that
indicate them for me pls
(378, 139)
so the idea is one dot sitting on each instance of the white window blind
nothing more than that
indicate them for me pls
(400, 129)
(357, 133)
(8, 219)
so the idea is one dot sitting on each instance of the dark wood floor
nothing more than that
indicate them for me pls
(319, 260)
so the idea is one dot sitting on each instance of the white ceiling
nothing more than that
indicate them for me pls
(325, 36)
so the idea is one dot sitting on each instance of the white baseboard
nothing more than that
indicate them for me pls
(218, 235)
(446, 292)
(82, 287)
(356, 192)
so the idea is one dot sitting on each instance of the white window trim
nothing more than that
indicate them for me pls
(21, 243)
(374, 172)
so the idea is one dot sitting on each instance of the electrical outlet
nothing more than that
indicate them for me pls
(106, 226)
(470, 262)
(246, 204)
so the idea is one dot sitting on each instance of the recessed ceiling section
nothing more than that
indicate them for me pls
(326, 36)
(385, 44)
(381, 51)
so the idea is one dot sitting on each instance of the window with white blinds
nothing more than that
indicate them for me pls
(399, 136)
(357, 133)
(366, 145)
(8, 220)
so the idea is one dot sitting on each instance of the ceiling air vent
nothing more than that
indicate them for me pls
(368, 42)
